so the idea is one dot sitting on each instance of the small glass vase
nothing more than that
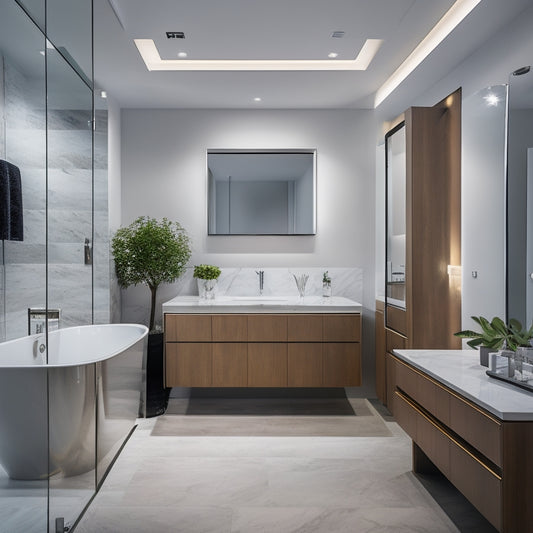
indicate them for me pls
(207, 289)
(326, 289)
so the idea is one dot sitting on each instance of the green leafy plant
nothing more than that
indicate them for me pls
(496, 334)
(326, 278)
(206, 272)
(150, 252)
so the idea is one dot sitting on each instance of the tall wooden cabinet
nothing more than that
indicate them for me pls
(422, 307)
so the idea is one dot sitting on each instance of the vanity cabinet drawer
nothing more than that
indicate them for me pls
(267, 328)
(188, 364)
(267, 364)
(305, 328)
(342, 328)
(229, 328)
(230, 364)
(424, 391)
(394, 340)
(342, 364)
(304, 364)
(187, 328)
(478, 483)
(477, 428)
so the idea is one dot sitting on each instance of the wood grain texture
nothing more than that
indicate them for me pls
(518, 475)
(381, 372)
(187, 328)
(304, 365)
(267, 364)
(396, 319)
(342, 328)
(394, 341)
(230, 364)
(305, 328)
(229, 328)
(267, 328)
(342, 364)
(188, 365)
(433, 238)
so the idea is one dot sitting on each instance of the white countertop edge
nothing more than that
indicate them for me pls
(226, 304)
(469, 379)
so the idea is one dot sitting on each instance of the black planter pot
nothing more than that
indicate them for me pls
(156, 393)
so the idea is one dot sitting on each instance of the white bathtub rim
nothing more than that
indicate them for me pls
(143, 332)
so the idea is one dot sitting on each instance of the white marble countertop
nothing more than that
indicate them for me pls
(262, 304)
(460, 371)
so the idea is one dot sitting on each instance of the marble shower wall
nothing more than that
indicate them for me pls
(69, 198)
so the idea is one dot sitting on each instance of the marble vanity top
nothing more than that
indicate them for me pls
(460, 371)
(262, 304)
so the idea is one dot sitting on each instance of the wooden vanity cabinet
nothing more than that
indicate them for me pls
(263, 350)
(485, 457)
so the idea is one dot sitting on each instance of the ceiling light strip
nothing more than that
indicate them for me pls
(451, 19)
(153, 61)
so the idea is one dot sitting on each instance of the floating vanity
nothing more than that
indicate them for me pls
(476, 430)
(262, 342)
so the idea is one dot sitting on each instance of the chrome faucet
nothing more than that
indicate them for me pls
(261, 274)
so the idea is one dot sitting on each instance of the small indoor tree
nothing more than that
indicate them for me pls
(151, 252)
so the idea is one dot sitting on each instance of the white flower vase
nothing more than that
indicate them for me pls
(207, 289)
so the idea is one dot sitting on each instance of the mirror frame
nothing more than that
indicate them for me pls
(310, 151)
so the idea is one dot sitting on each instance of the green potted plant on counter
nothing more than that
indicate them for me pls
(495, 335)
(207, 276)
(151, 252)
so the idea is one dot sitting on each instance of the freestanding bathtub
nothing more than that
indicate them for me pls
(64, 417)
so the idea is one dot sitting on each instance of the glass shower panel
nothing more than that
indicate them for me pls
(396, 215)
(23, 502)
(70, 241)
(35, 9)
(519, 256)
(69, 28)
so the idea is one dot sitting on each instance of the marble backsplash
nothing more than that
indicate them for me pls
(345, 281)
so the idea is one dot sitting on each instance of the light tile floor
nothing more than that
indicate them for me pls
(264, 484)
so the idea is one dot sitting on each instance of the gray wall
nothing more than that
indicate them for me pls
(164, 175)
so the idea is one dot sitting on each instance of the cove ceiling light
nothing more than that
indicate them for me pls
(153, 61)
(451, 19)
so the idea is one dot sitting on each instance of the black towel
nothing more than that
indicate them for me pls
(11, 223)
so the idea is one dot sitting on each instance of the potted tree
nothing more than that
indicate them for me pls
(151, 252)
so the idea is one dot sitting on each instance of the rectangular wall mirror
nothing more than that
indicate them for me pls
(261, 192)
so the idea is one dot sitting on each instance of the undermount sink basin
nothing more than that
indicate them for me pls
(257, 299)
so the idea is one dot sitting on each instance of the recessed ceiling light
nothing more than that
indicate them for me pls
(257, 99)
(103, 94)
(450, 20)
(152, 59)
(41, 52)
(333, 54)
(182, 54)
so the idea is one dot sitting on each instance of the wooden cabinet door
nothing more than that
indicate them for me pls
(304, 364)
(342, 328)
(342, 364)
(381, 371)
(230, 328)
(267, 364)
(187, 328)
(230, 364)
(188, 364)
(267, 328)
(304, 328)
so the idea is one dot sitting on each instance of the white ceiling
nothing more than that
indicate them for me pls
(277, 29)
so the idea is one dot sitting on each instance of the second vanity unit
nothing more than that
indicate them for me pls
(262, 342)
